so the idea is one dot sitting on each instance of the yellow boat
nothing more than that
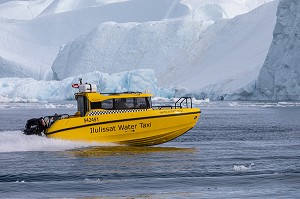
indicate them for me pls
(124, 118)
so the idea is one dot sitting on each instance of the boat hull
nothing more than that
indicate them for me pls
(143, 128)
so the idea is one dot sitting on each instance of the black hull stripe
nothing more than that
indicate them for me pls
(124, 120)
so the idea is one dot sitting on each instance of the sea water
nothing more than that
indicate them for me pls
(236, 150)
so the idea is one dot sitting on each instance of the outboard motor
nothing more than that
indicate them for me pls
(35, 126)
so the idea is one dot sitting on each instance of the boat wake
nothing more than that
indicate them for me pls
(16, 141)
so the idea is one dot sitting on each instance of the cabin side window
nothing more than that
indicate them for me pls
(141, 103)
(130, 103)
(123, 103)
(107, 104)
(95, 105)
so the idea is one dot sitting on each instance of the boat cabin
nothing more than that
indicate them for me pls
(89, 100)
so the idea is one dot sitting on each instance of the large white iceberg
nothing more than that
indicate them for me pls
(32, 31)
(206, 48)
(217, 58)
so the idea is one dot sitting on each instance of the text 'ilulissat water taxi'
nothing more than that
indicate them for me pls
(124, 118)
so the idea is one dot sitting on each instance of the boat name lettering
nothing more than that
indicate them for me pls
(102, 129)
(120, 127)
(170, 111)
(91, 119)
(133, 126)
(145, 125)
(127, 127)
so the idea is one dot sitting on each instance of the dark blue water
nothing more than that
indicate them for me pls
(210, 161)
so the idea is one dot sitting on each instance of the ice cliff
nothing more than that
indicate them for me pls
(279, 78)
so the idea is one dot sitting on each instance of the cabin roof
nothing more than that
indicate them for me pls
(96, 97)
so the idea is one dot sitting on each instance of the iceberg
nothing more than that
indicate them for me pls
(31, 90)
(207, 48)
(114, 47)
(279, 77)
(32, 31)
(215, 58)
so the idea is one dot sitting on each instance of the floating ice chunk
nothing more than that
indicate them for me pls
(233, 104)
(20, 181)
(242, 167)
(50, 106)
(195, 101)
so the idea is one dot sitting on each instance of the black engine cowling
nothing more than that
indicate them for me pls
(35, 126)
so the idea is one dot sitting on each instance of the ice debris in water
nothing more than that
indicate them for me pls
(20, 181)
(242, 167)
(91, 180)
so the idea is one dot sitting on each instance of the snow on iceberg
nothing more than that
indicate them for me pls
(22, 10)
(206, 10)
(32, 31)
(113, 47)
(11, 69)
(236, 52)
(28, 89)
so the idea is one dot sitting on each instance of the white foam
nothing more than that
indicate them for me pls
(39, 105)
(14, 141)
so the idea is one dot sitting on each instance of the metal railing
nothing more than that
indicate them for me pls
(183, 102)
(187, 101)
